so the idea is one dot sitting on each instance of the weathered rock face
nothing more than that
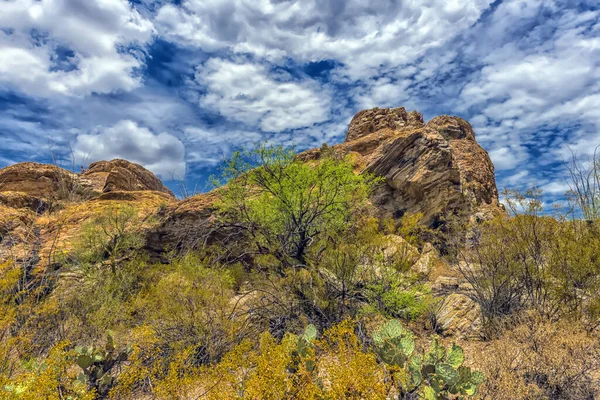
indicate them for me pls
(184, 223)
(40, 180)
(42, 207)
(122, 175)
(437, 169)
(367, 122)
(50, 181)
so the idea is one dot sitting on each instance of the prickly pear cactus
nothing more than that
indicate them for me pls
(303, 350)
(437, 374)
(393, 343)
(97, 363)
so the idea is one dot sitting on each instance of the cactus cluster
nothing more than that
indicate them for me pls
(437, 374)
(301, 354)
(97, 364)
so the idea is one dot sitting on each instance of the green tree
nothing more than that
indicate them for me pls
(282, 205)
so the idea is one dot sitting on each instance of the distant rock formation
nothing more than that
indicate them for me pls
(122, 175)
(39, 180)
(435, 168)
(45, 181)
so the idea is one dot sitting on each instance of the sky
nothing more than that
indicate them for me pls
(178, 85)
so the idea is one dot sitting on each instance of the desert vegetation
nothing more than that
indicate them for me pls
(297, 289)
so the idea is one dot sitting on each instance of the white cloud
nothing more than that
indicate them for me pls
(212, 146)
(507, 157)
(161, 153)
(246, 92)
(555, 188)
(364, 35)
(536, 82)
(517, 179)
(70, 47)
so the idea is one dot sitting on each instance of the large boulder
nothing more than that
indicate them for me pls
(122, 175)
(39, 180)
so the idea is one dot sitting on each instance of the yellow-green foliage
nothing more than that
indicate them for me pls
(282, 205)
(54, 379)
(109, 234)
(336, 367)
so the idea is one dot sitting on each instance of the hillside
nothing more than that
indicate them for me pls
(381, 267)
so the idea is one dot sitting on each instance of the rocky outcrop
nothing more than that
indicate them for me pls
(122, 175)
(367, 122)
(184, 224)
(47, 181)
(47, 205)
(39, 180)
(437, 169)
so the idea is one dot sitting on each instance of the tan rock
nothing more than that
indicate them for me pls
(429, 256)
(437, 169)
(367, 122)
(122, 175)
(458, 316)
(397, 247)
(39, 180)
(185, 223)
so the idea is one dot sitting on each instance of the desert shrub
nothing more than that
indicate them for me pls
(299, 367)
(196, 312)
(414, 232)
(584, 185)
(102, 299)
(353, 275)
(282, 206)
(112, 233)
(542, 360)
(531, 261)
(53, 379)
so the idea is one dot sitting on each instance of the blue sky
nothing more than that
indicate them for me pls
(178, 85)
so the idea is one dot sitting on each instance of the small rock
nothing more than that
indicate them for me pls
(459, 316)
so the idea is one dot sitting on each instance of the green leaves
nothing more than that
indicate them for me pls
(428, 393)
(96, 364)
(310, 333)
(286, 205)
(84, 361)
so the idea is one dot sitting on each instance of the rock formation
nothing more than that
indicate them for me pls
(42, 207)
(122, 175)
(39, 180)
(437, 169)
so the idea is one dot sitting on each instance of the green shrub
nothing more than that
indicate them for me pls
(283, 206)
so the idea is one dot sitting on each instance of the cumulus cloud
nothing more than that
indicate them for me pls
(162, 153)
(71, 47)
(212, 145)
(544, 77)
(247, 92)
(363, 35)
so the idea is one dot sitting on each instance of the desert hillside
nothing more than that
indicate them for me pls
(383, 267)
